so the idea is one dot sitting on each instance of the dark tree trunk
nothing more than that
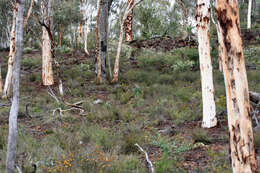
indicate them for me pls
(103, 34)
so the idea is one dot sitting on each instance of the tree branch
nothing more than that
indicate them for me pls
(146, 157)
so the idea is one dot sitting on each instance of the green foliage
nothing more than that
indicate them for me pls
(219, 162)
(168, 165)
(171, 154)
(257, 140)
(28, 50)
(200, 135)
(129, 140)
(63, 49)
(30, 63)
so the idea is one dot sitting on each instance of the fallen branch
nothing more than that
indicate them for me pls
(61, 111)
(18, 169)
(146, 157)
(51, 93)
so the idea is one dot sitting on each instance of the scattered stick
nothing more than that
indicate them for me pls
(18, 169)
(146, 157)
(66, 110)
(51, 93)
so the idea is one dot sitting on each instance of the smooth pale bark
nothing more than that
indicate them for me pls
(129, 23)
(203, 27)
(239, 121)
(99, 79)
(85, 14)
(12, 136)
(116, 64)
(86, 37)
(9, 75)
(249, 14)
(47, 72)
(220, 48)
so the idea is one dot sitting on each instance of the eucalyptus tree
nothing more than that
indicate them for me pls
(67, 16)
(249, 11)
(103, 34)
(129, 23)
(186, 9)
(238, 106)
(206, 69)
(47, 71)
(8, 79)
(6, 23)
(12, 136)
(86, 9)
(9, 76)
(153, 18)
(127, 10)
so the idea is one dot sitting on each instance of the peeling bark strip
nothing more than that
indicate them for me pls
(203, 26)
(240, 124)
(12, 136)
(47, 72)
(129, 23)
(8, 79)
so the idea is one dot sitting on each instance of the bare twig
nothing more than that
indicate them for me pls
(51, 93)
(146, 157)
(18, 169)
(66, 110)
(254, 112)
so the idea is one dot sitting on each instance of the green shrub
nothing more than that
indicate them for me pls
(28, 50)
(200, 135)
(30, 63)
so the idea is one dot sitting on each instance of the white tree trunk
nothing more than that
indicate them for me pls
(203, 26)
(9, 75)
(249, 14)
(85, 33)
(47, 72)
(239, 120)
(128, 9)
(12, 136)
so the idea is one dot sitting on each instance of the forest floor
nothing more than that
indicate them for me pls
(157, 104)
